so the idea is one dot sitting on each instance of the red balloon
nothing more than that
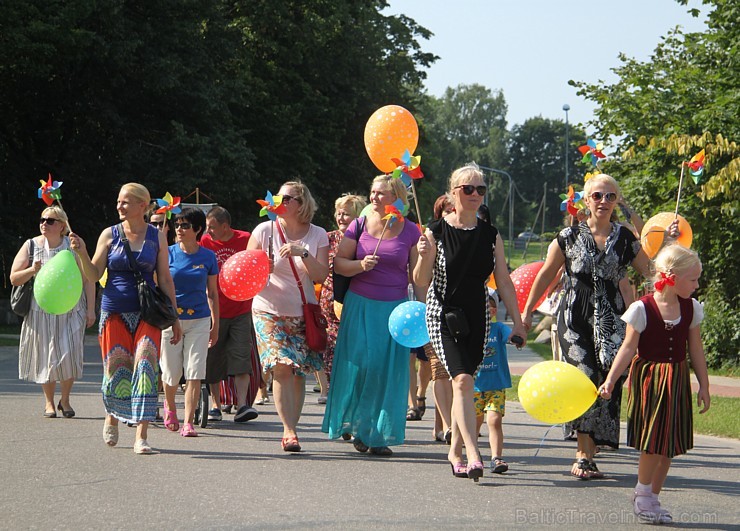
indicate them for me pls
(523, 278)
(244, 274)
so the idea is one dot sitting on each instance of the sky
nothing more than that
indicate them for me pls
(531, 48)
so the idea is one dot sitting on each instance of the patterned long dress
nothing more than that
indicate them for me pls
(51, 346)
(327, 303)
(589, 326)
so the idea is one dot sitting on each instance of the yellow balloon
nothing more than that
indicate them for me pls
(104, 278)
(338, 309)
(555, 392)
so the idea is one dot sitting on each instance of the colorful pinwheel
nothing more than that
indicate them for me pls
(395, 212)
(272, 206)
(49, 191)
(592, 152)
(572, 202)
(408, 168)
(696, 166)
(168, 205)
(588, 176)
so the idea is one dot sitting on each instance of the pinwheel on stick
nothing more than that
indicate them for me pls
(49, 192)
(168, 205)
(393, 213)
(272, 207)
(408, 170)
(592, 152)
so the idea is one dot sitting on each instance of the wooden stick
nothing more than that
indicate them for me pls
(69, 228)
(680, 183)
(416, 202)
(387, 221)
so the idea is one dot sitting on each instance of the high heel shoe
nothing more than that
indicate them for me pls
(475, 470)
(459, 470)
(67, 413)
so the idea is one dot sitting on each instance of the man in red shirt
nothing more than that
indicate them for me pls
(231, 355)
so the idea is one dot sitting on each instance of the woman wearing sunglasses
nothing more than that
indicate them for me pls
(296, 247)
(457, 254)
(51, 346)
(164, 225)
(596, 253)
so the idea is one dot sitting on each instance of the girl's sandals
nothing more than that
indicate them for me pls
(581, 469)
(594, 471)
(499, 466)
(475, 470)
(290, 444)
(170, 420)
(110, 434)
(412, 413)
(188, 430)
(459, 470)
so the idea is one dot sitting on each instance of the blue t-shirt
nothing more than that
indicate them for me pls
(190, 273)
(494, 372)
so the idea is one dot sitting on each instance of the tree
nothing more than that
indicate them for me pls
(536, 159)
(663, 111)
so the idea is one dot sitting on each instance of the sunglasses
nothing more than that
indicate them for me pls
(183, 226)
(48, 221)
(288, 198)
(158, 224)
(468, 189)
(611, 197)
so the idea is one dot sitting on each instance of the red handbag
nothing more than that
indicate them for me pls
(315, 321)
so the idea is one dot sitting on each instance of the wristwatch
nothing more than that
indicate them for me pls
(304, 254)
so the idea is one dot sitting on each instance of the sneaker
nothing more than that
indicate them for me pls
(226, 409)
(259, 402)
(215, 415)
(246, 413)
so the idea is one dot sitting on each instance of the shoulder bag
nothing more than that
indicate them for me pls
(457, 321)
(314, 318)
(341, 283)
(156, 307)
(20, 296)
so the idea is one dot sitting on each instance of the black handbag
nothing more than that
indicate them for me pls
(457, 321)
(341, 283)
(156, 307)
(20, 296)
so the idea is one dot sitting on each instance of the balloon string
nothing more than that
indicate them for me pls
(680, 184)
(381, 236)
(543, 438)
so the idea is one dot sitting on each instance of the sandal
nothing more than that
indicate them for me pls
(110, 434)
(412, 413)
(142, 447)
(594, 472)
(290, 444)
(188, 430)
(499, 466)
(459, 470)
(581, 469)
(170, 420)
(475, 470)
(422, 407)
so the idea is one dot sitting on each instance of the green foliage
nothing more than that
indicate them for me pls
(663, 111)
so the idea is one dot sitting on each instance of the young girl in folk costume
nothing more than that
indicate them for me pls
(662, 327)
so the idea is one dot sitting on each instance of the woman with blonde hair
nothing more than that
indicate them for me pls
(51, 346)
(129, 345)
(370, 376)
(347, 208)
(457, 255)
(299, 249)
(596, 253)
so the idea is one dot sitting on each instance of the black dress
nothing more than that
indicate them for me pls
(590, 330)
(453, 248)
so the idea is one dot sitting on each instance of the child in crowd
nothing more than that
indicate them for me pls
(490, 386)
(661, 327)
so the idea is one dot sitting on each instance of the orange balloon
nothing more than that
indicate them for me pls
(653, 232)
(491, 282)
(389, 132)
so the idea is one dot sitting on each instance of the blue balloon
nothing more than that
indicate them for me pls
(407, 324)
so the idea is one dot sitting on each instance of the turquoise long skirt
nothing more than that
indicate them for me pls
(368, 394)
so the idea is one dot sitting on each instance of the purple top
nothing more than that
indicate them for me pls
(389, 280)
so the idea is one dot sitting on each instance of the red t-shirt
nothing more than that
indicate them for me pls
(224, 250)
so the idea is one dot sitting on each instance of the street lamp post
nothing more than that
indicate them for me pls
(566, 108)
(511, 210)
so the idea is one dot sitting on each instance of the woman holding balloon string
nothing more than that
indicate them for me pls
(457, 254)
(595, 254)
(277, 310)
(370, 374)
(51, 346)
(130, 346)
(347, 208)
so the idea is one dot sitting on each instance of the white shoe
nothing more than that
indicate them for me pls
(644, 508)
(663, 516)
(110, 434)
(142, 447)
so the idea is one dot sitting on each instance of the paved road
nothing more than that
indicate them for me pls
(58, 474)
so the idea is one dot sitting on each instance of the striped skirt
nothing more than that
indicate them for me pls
(659, 417)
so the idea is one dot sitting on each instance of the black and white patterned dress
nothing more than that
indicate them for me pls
(453, 246)
(590, 330)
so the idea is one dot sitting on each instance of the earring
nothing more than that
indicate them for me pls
(587, 212)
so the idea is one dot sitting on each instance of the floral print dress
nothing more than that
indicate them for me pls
(590, 330)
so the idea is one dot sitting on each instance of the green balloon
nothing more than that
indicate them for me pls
(366, 211)
(58, 284)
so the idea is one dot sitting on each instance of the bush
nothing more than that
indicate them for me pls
(721, 329)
